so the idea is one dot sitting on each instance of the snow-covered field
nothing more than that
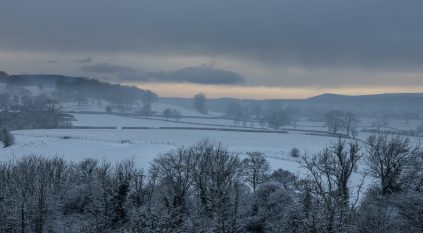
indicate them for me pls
(365, 123)
(158, 107)
(119, 121)
(222, 122)
(144, 145)
(97, 120)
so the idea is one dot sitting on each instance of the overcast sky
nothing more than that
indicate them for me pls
(242, 48)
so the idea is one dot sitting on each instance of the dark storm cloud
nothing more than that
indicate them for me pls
(329, 33)
(84, 60)
(106, 68)
(199, 75)
(52, 61)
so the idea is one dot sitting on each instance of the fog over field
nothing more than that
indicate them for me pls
(211, 116)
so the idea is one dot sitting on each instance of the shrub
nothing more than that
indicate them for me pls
(295, 153)
(6, 137)
(109, 108)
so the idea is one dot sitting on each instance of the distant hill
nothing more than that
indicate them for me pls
(80, 88)
(396, 104)
(45, 79)
(390, 96)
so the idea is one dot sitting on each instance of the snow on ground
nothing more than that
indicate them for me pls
(365, 123)
(100, 106)
(110, 120)
(79, 149)
(97, 120)
(223, 122)
(92, 106)
(399, 124)
(405, 125)
(160, 107)
(144, 145)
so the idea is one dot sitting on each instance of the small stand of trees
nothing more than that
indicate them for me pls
(278, 119)
(171, 113)
(148, 97)
(338, 121)
(381, 121)
(274, 117)
(200, 103)
(32, 113)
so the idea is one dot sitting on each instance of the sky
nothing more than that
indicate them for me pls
(233, 48)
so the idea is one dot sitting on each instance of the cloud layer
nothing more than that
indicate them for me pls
(360, 33)
(198, 75)
(289, 43)
(106, 68)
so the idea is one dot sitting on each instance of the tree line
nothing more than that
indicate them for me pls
(81, 89)
(273, 117)
(29, 112)
(207, 188)
(338, 121)
(32, 112)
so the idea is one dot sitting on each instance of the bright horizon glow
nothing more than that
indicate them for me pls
(310, 82)
(261, 92)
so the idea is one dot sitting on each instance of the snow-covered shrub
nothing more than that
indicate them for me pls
(109, 108)
(6, 137)
(295, 152)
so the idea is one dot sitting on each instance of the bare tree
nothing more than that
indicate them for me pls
(200, 103)
(335, 121)
(387, 158)
(278, 118)
(330, 173)
(287, 179)
(167, 113)
(174, 170)
(235, 112)
(176, 114)
(419, 130)
(256, 169)
(4, 100)
(351, 122)
(147, 99)
(256, 111)
(217, 182)
(381, 121)
(124, 173)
